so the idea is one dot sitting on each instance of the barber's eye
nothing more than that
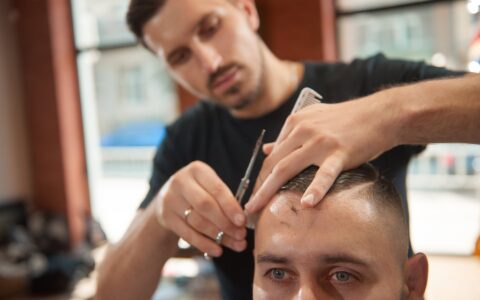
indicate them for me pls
(209, 28)
(179, 57)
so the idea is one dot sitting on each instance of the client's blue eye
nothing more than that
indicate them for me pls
(277, 274)
(342, 276)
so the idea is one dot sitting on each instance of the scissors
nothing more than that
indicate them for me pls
(244, 183)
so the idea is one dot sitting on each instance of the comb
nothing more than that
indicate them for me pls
(307, 97)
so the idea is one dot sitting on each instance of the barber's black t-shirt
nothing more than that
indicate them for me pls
(210, 134)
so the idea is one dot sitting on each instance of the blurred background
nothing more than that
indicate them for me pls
(83, 108)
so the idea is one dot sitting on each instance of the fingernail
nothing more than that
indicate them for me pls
(239, 219)
(308, 200)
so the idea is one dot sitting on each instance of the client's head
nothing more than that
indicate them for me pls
(352, 245)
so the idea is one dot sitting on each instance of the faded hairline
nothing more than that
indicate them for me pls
(373, 185)
(369, 184)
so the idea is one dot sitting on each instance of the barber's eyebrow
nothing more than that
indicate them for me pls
(273, 259)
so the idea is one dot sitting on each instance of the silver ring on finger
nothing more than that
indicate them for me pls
(187, 213)
(219, 237)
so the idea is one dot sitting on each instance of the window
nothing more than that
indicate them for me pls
(444, 180)
(127, 99)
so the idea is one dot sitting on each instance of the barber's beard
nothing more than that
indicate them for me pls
(250, 95)
(237, 96)
(247, 99)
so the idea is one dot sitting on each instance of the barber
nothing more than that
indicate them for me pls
(212, 48)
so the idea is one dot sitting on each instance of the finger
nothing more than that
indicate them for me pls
(176, 209)
(204, 226)
(210, 181)
(289, 166)
(323, 180)
(267, 148)
(195, 238)
(204, 204)
(281, 150)
(170, 203)
(287, 127)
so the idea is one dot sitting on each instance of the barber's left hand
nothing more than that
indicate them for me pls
(334, 137)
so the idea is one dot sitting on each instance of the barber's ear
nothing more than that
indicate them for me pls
(250, 10)
(416, 269)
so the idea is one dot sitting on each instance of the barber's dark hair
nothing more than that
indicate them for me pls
(139, 13)
(377, 187)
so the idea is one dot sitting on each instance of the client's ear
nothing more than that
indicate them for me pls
(416, 276)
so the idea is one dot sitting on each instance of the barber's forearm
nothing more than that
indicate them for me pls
(132, 268)
(437, 111)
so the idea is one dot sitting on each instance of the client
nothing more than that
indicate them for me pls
(352, 245)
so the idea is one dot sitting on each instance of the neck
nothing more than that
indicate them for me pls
(280, 79)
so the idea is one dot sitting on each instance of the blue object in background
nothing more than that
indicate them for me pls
(135, 134)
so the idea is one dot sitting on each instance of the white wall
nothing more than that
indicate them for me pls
(14, 155)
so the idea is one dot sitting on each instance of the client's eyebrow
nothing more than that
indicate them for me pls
(326, 259)
(273, 259)
(344, 258)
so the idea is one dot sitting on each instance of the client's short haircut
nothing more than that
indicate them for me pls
(370, 185)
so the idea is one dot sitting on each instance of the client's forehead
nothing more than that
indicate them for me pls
(351, 205)
(344, 222)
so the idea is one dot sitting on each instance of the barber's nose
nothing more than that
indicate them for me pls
(208, 57)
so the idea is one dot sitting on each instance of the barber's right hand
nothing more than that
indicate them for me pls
(198, 188)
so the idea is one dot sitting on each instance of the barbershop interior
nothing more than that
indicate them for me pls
(84, 106)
